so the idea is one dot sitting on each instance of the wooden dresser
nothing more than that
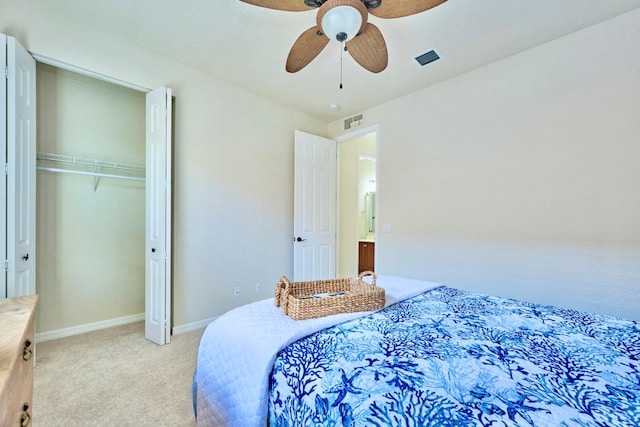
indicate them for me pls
(17, 346)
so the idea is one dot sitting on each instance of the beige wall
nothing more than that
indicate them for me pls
(233, 208)
(517, 179)
(521, 178)
(90, 244)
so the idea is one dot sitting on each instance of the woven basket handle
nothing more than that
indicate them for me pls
(282, 294)
(279, 288)
(368, 273)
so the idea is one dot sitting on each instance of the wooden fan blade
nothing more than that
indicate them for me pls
(400, 8)
(369, 49)
(288, 5)
(305, 49)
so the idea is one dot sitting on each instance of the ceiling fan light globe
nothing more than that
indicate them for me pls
(341, 23)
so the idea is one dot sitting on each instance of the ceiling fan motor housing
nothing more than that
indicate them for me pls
(342, 20)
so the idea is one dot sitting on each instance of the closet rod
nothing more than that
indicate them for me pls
(94, 174)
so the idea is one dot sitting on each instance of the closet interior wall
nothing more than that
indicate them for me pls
(90, 240)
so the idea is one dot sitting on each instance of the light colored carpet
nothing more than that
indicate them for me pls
(115, 377)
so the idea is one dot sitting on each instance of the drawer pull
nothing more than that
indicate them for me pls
(26, 351)
(25, 418)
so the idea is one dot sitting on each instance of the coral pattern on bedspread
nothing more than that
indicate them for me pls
(453, 358)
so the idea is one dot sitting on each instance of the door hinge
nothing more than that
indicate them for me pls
(6, 265)
(6, 72)
(6, 169)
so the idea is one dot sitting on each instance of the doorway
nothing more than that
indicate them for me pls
(90, 230)
(357, 201)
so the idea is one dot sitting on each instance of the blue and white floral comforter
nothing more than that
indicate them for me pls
(453, 358)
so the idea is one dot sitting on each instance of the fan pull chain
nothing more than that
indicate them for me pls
(342, 49)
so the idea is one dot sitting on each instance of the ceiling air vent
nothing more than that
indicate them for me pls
(427, 58)
(352, 122)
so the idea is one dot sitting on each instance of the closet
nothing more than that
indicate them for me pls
(90, 200)
(101, 214)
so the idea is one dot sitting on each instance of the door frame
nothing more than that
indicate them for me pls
(346, 137)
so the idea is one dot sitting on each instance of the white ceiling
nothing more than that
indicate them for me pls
(248, 45)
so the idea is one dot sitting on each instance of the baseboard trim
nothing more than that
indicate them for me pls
(188, 327)
(96, 326)
(88, 327)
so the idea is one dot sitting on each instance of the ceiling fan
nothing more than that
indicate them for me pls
(346, 22)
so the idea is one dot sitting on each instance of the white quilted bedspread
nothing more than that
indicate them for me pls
(238, 349)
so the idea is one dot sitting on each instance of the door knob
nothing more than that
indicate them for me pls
(25, 257)
(300, 239)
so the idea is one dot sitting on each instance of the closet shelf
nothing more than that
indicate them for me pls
(95, 164)
(88, 162)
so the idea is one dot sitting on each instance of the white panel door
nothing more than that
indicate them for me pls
(3, 156)
(315, 194)
(158, 217)
(21, 176)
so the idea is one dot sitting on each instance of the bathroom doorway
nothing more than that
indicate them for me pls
(357, 202)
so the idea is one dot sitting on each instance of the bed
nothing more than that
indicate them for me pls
(433, 356)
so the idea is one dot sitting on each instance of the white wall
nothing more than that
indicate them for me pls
(521, 178)
(90, 244)
(233, 207)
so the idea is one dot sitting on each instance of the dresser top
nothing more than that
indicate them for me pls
(14, 317)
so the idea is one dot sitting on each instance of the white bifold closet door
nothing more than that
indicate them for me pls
(158, 217)
(18, 142)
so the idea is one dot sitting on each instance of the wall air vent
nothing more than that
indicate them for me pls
(427, 58)
(352, 122)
